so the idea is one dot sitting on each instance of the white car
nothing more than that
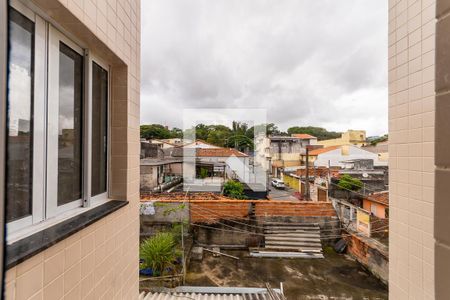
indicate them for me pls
(278, 183)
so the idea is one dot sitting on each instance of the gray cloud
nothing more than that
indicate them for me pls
(307, 62)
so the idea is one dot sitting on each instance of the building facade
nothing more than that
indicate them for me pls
(350, 137)
(419, 69)
(71, 148)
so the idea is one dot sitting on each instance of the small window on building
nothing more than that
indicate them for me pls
(373, 208)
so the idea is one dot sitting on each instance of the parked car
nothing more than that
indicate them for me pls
(278, 183)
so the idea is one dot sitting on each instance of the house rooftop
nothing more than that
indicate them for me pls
(303, 136)
(323, 150)
(219, 152)
(379, 197)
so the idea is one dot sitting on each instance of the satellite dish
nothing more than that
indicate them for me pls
(365, 175)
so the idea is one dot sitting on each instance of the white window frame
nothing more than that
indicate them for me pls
(45, 211)
(55, 37)
(100, 198)
(39, 120)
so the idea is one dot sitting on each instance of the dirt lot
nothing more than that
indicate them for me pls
(335, 277)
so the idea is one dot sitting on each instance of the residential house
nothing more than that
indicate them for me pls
(279, 152)
(381, 149)
(206, 169)
(163, 144)
(200, 144)
(158, 169)
(377, 204)
(350, 137)
(72, 107)
(334, 156)
(177, 141)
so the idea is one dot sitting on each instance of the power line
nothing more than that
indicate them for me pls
(321, 238)
(251, 232)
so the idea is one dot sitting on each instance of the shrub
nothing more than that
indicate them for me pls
(347, 182)
(159, 252)
(234, 189)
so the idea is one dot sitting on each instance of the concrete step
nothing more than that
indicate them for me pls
(293, 248)
(294, 239)
(292, 234)
(271, 254)
(290, 224)
(291, 228)
(293, 244)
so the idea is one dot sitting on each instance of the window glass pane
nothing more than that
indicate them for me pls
(99, 129)
(70, 121)
(19, 135)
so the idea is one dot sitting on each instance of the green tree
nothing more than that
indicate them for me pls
(176, 133)
(319, 132)
(155, 131)
(349, 184)
(234, 189)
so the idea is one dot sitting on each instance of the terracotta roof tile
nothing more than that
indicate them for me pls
(303, 136)
(219, 152)
(323, 150)
(380, 197)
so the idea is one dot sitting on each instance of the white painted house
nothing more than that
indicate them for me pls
(336, 155)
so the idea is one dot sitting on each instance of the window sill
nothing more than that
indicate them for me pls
(27, 247)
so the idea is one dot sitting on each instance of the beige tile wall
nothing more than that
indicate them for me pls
(411, 148)
(101, 261)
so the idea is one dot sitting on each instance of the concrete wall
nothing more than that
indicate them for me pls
(100, 261)
(148, 177)
(412, 103)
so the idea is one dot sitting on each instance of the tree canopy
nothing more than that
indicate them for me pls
(319, 132)
(157, 131)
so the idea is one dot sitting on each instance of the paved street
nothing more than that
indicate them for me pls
(283, 195)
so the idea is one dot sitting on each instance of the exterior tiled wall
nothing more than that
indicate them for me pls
(411, 148)
(101, 261)
(442, 196)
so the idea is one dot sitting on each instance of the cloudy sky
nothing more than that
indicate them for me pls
(308, 62)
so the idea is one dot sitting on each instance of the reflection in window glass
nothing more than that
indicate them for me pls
(99, 129)
(19, 139)
(70, 121)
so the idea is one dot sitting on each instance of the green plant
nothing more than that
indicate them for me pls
(159, 252)
(234, 189)
(347, 182)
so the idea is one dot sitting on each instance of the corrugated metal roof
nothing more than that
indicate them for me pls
(197, 296)
(209, 293)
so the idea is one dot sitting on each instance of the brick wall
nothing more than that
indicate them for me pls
(211, 211)
(370, 255)
(299, 209)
